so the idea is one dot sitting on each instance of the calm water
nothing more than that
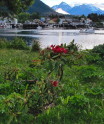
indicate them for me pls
(48, 37)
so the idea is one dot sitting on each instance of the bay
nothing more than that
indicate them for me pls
(57, 37)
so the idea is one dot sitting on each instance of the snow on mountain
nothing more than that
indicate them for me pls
(81, 9)
(64, 6)
(59, 10)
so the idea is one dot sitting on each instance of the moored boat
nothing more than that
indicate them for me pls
(87, 30)
(39, 27)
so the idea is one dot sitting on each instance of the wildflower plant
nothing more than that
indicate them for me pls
(52, 58)
(48, 81)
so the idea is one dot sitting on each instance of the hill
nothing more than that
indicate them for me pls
(41, 8)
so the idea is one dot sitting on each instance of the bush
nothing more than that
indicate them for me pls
(13, 108)
(3, 43)
(87, 73)
(18, 43)
(99, 50)
(72, 47)
(35, 46)
(92, 58)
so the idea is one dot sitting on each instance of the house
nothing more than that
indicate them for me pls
(61, 21)
(51, 22)
(88, 21)
(76, 22)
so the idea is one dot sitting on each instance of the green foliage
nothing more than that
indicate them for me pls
(99, 50)
(95, 92)
(22, 17)
(76, 100)
(72, 47)
(5, 88)
(14, 7)
(35, 46)
(87, 73)
(16, 43)
(34, 16)
(3, 43)
(95, 17)
(53, 86)
(14, 108)
(25, 16)
(91, 57)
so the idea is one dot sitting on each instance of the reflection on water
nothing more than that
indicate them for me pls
(48, 37)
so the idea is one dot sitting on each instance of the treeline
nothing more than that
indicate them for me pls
(95, 17)
(22, 17)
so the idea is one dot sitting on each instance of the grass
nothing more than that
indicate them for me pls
(16, 58)
(80, 95)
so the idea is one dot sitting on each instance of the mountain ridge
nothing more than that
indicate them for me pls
(83, 9)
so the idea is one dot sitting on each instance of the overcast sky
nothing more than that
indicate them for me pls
(71, 2)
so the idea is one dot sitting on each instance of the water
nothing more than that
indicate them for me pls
(57, 37)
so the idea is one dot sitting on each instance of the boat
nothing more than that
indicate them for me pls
(39, 27)
(87, 30)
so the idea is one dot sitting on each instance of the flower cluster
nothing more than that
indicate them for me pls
(58, 49)
(54, 83)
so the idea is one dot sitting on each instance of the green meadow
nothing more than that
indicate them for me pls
(56, 85)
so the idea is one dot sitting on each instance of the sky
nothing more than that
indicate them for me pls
(72, 2)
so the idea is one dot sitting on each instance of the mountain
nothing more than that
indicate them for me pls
(83, 9)
(64, 6)
(41, 8)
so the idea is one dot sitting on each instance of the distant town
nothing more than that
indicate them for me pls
(52, 21)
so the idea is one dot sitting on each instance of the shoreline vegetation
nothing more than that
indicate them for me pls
(56, 85)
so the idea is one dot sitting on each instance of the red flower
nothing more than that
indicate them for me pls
(58, 49)
(54, 83)
(65, 51)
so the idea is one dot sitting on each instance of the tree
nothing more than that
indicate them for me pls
(94, 17)
(22, 17)
(35, 16)
(11, 7)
